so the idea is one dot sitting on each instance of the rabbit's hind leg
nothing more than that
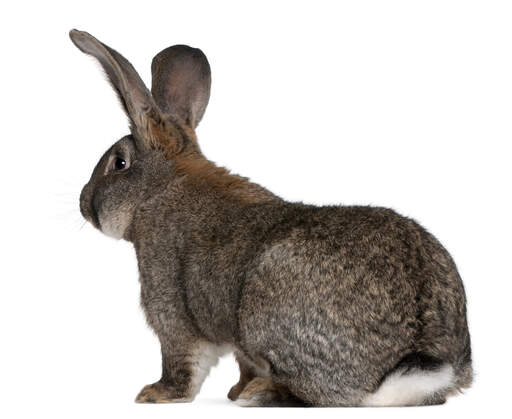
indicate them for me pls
(247, 373)
(264, 392)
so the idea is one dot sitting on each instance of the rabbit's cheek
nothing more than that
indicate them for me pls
(114, 221)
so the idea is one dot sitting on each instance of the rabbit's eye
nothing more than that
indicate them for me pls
(116, 164)
(119, 163)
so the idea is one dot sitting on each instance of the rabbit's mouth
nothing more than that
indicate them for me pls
(92, 216)
(95, 219)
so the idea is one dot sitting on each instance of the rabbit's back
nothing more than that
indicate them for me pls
(339, 296)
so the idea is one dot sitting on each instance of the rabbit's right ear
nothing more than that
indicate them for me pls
(181, 81)
(133, 94)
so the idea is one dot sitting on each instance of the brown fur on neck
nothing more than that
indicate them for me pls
(200, 173)
(179, 144)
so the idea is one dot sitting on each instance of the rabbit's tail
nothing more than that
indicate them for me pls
(421, 379)
(417, 380)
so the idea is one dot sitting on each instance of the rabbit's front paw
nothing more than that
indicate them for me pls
(160, 393)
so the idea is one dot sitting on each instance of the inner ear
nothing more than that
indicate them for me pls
(181, 80)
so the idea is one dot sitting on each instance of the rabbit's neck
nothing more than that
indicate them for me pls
(200, 174)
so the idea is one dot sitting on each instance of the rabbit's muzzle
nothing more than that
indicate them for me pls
(87, 206)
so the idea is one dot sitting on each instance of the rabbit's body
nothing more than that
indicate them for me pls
(326, 300)
(323, 306)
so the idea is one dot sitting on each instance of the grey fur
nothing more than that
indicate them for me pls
(321, 304)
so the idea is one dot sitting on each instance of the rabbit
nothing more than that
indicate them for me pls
(321, 305)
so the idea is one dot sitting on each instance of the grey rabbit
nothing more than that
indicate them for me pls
(322, 306)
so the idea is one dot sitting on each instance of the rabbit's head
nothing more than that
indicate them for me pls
(162, 124)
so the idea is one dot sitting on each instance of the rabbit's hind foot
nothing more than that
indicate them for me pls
(263, 392)
(160, 392)
(236, 390)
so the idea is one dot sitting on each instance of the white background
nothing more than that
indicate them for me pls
(403, 104)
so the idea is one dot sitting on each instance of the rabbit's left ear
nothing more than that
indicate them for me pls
(133, 94)
(181, 81)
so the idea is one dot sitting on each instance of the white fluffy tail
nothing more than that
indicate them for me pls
(411, 388)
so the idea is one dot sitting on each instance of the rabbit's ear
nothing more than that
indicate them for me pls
(181, 82)
(133, 94)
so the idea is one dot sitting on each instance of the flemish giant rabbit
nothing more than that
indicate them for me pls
(323, 306)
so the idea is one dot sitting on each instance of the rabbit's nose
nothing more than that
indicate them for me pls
(85, 202)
